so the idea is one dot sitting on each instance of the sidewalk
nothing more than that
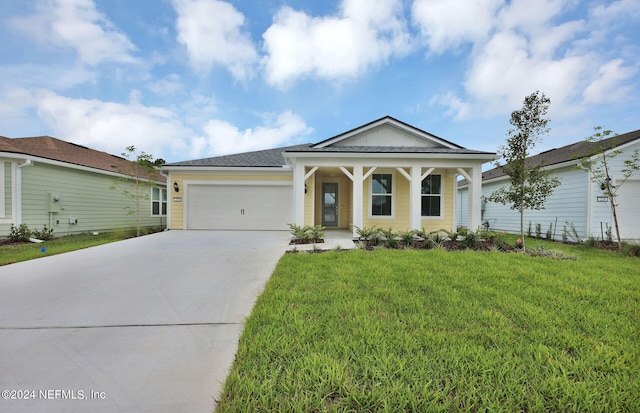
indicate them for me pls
(333, 239)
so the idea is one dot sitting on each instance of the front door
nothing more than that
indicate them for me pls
(330, 204)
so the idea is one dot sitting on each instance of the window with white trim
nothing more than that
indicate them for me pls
(381, 195)
(432, 196)
(158, 201)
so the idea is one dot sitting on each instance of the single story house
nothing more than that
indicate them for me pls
(68, 187)
(385, 173)
(578, 203)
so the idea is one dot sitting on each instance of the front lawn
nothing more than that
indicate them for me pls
(430, 331)
(12, 253)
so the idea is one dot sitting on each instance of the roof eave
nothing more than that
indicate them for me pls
(485, 156)
(282, 168)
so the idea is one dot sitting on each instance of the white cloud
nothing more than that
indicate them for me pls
(224, 138)
(78, 25)
(446, 24)
(168, 85)
(606, 87)
(111, 126)
(519, 47)
(211, 30)
(364, 34)
(505, 72)
(616, 10)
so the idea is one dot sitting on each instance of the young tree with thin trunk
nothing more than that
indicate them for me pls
(530, 186)
(140, 172)
(599, 164)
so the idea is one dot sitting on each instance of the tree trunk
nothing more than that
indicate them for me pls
(524, 248)
(615, 222)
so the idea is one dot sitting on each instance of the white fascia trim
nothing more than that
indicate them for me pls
(68, 165)
(392, 155)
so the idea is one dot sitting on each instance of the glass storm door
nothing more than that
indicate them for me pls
(329, 205)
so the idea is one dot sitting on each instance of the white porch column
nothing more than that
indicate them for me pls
(475, 194)
(298, 194)
(357, 199)
(416, 198)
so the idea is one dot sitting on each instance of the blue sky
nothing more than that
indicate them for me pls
(187, 79)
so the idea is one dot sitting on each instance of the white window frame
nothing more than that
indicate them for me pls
(392, 195)
(159, 201)
(441, 195)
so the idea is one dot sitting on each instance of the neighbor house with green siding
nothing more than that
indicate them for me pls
(70, 188)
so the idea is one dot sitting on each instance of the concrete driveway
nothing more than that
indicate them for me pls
(143, 325)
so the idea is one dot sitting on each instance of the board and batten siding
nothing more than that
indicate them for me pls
(84, 196)
(567, 206)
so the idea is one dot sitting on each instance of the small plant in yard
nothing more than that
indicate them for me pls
(316, 232)
(529, 230)
(21, 233)
(498, 241)
(375, 237)
(549, 232)
(592, 243)
(390, 236)
(44, 234)
(407, 238)
(538, 230)
(471, 240)
(366, 232)
(632, 250)
(609, 233)
(307, 233)
(552, 254)
(573, 233)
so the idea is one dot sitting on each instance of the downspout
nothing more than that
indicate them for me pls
(19, 190)
(168, 222)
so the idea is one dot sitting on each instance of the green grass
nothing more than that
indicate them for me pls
(10, 254)
(437, 331)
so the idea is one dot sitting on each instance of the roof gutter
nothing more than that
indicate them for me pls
(19, 190)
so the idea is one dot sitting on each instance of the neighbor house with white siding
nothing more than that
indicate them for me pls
(577, 203)
(68, 187)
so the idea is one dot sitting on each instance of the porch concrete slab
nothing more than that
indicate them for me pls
(333, 239)
(147, 324)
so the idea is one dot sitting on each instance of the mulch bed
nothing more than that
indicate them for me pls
(305, 242)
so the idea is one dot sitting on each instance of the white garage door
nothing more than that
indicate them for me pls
(239, 207)
(629, 209)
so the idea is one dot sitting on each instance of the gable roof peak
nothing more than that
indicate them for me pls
(417, 133)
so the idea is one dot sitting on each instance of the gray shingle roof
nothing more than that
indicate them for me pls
(265, 158)
(567, 153)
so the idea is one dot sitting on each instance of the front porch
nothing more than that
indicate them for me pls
(391, 195)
